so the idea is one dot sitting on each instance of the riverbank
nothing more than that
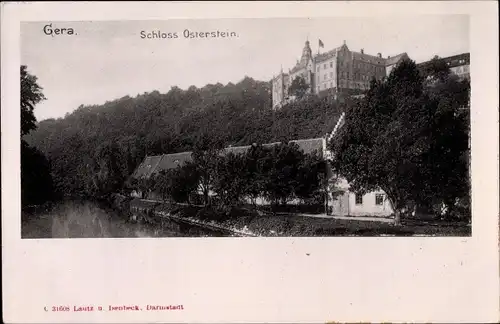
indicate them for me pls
(249, 222)
(126, 218)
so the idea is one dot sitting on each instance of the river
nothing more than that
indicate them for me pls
(77, 219)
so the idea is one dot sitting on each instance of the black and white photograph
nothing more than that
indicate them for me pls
(250, 162)
(217, 128)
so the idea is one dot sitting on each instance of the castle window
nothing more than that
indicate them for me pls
(325, 76)
(317, 70)
(324, 66)
(324, 85)
(331, 85)
(318, 78)
(331, 64)
(359, 199)
(331, 74)
(379, 199)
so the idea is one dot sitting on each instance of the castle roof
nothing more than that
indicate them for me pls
(297, 67)
(452, 61)
(395, 59)
(325, 56)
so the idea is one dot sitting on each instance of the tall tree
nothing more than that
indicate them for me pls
(36, 180)
(281, 169)
(31, 95)
(389, 141)
(206, 153)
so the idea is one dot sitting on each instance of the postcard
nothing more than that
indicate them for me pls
(250, 162)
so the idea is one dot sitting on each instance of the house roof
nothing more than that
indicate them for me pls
(154, 164)
(148, 165)
(171, 161)
(308, 146)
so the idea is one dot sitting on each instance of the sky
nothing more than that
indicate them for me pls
(103, 61)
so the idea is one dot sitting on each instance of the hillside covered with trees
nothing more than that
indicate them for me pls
(94, 149)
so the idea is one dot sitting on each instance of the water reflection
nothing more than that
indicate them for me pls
(90, 220)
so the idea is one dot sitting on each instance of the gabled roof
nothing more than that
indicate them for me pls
(171, 161)
(372, 59)
(153, 165)
(297, 67)
(325, 56)
(395, 59)
(147, 167)
(451, 61)
(308, 146)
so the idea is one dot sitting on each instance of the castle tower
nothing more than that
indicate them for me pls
(306, 54)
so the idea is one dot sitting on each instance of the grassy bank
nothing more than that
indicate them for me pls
(252, 222)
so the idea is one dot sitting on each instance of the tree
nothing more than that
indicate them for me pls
(310, 179)
(230, 183)
(107, 172)
(205, 156)
(281, 168)
(256, 177)
(31, 95)
(435, 69)
(448, 175)
(390, 141)
(177, 184)
(36, 180)
(298, 88)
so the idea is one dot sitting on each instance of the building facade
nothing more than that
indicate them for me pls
(339, 70)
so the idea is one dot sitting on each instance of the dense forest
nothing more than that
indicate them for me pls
(94, 149)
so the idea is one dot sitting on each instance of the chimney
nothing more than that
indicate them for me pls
(362, 51)
(379, 55)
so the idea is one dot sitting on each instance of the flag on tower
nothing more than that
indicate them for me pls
(321, 43)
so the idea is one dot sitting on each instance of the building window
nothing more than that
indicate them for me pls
(331, 64)
(359, 199)
(318, 78)
(379, 199)
(331, 74)
(325, 76)
(324, 66)
(324, 85)
(318, 88)
(317, 69)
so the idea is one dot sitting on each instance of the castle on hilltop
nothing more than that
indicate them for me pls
(339, 70)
